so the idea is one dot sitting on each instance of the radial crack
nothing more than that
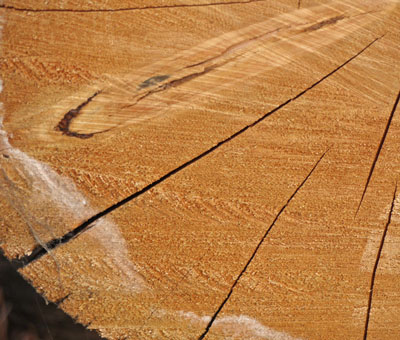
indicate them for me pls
(379, 150)
(39, 251)
(124, 9)
(378, 257)
(258, 247)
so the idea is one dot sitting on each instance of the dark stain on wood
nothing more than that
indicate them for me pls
(64, 124)
(323, 23)
(153, 81)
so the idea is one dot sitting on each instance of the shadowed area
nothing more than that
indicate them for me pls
(25, 315)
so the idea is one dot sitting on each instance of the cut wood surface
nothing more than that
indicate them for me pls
(205, 169)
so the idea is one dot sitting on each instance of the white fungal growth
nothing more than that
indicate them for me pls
(238, 327)
(49, 202)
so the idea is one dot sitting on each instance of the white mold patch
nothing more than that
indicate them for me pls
(390, 258)
(46, 200)
(238, 327)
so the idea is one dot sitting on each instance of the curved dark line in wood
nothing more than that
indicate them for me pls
(64, 124)
(378, 257)
(39, 251)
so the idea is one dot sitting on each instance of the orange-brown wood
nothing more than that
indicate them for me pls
(205, 169)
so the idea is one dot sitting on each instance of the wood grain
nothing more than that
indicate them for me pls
(208, 169)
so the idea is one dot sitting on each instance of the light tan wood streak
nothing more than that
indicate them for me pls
(231, 58)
